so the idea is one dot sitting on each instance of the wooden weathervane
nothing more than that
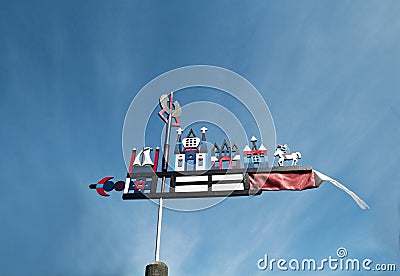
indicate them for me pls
(223, 171)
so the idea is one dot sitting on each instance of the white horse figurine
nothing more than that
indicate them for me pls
(287, 156)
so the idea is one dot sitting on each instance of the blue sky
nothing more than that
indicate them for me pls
(328, 70)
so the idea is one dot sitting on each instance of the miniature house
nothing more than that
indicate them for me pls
(255, 158)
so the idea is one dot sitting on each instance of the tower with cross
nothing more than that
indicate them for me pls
(202, 155)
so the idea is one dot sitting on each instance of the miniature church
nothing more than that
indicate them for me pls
(191, 152)
(225, 157)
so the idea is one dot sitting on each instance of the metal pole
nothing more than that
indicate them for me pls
(164, 168)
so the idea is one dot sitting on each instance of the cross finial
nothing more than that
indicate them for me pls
(203, 129)
(179, 131)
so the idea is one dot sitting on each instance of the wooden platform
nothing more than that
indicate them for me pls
(204, 184)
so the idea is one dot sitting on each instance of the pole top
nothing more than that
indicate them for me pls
(156, 269)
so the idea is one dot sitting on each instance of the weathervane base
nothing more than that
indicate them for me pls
(189, 195)
(206, 184)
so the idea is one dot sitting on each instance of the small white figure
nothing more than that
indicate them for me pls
(284, 148)
(282, 152)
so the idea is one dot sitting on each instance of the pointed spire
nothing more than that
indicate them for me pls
(203, 133)
(246, 148)
(215, 149)
(179, 138)
(191, 134)
(262, 147)
(203, 146)
(178, 145)
(225, 145)
(234, 148)
(253, 140)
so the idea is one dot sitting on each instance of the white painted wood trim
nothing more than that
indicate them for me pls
(191, 188)
(127, 182)
(219, 177)
(193, 178)
(227, 187)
